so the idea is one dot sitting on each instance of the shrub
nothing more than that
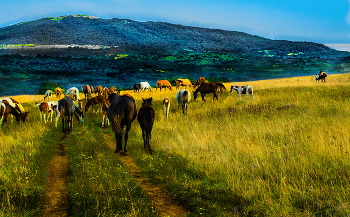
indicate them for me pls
(48, 85)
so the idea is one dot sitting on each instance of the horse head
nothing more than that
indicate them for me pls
(147, 102)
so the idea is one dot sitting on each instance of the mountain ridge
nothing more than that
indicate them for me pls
(134, 35)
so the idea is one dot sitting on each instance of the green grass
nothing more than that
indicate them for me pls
(286, 154)
(25, 151)
(100, 183)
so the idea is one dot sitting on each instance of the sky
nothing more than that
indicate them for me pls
(325, 22)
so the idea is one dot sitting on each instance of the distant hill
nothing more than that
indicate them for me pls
(128, 35)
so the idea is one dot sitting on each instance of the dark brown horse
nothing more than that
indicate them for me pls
(146, 117)
(122, 111)
(205, 88)
(66, 110)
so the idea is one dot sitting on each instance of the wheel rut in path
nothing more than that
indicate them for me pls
(59, 173)
(166, 204)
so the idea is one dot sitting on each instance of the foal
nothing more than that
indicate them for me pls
(166, 106)
(146, 117)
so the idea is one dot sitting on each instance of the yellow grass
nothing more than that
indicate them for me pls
(287, 148)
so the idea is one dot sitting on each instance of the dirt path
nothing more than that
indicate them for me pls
(57, 197)
(165, 203)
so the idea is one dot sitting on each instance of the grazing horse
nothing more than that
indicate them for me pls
(146, 117)
(205, 88)
(183, 82)
(166, 106)
(58, 92)
(243, 90)
(86, 90)
(105, 92)
(145, 85)
(163, 84)
(48, 94)
(136, 87)
(321, 76)
(8, 109)
(122, 111)
(17, 106)
(92, 90)
(45, 107)
(99, 90)
(73, 92)
(112, 89)
(67, 109)
(97, 100)
(183, 97)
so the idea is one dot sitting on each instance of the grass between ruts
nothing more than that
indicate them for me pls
(285, 154)
(100, 184)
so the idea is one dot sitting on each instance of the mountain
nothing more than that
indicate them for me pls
(128, 35)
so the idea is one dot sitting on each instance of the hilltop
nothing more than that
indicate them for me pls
(132, 36)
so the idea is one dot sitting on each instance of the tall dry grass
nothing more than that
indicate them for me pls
(285, 154)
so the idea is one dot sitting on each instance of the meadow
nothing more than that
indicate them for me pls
(285, 154)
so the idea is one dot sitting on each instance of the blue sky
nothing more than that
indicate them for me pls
(296, 20)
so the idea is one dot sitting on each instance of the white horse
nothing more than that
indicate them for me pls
(166, 106)
(183, 97)
(73, 92)
(145, 85)
(243, 90)
(48, 94)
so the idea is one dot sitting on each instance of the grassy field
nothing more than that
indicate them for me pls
(285, 154)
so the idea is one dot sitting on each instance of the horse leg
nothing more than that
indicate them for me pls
(148, 144)
(144, 137)
(119, 138)
(215, 96)
(203, 94)
(128, 126)
(63, 126)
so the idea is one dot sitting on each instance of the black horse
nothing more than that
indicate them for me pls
(122, 111)
(66, 110)
(146, 117)
(205, 88)
(136, 87)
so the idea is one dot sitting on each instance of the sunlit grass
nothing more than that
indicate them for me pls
(285, 154)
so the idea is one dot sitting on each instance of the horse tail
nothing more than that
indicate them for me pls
(185, 97)
(119, 115)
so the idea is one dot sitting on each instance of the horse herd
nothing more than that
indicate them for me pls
(119, 110)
